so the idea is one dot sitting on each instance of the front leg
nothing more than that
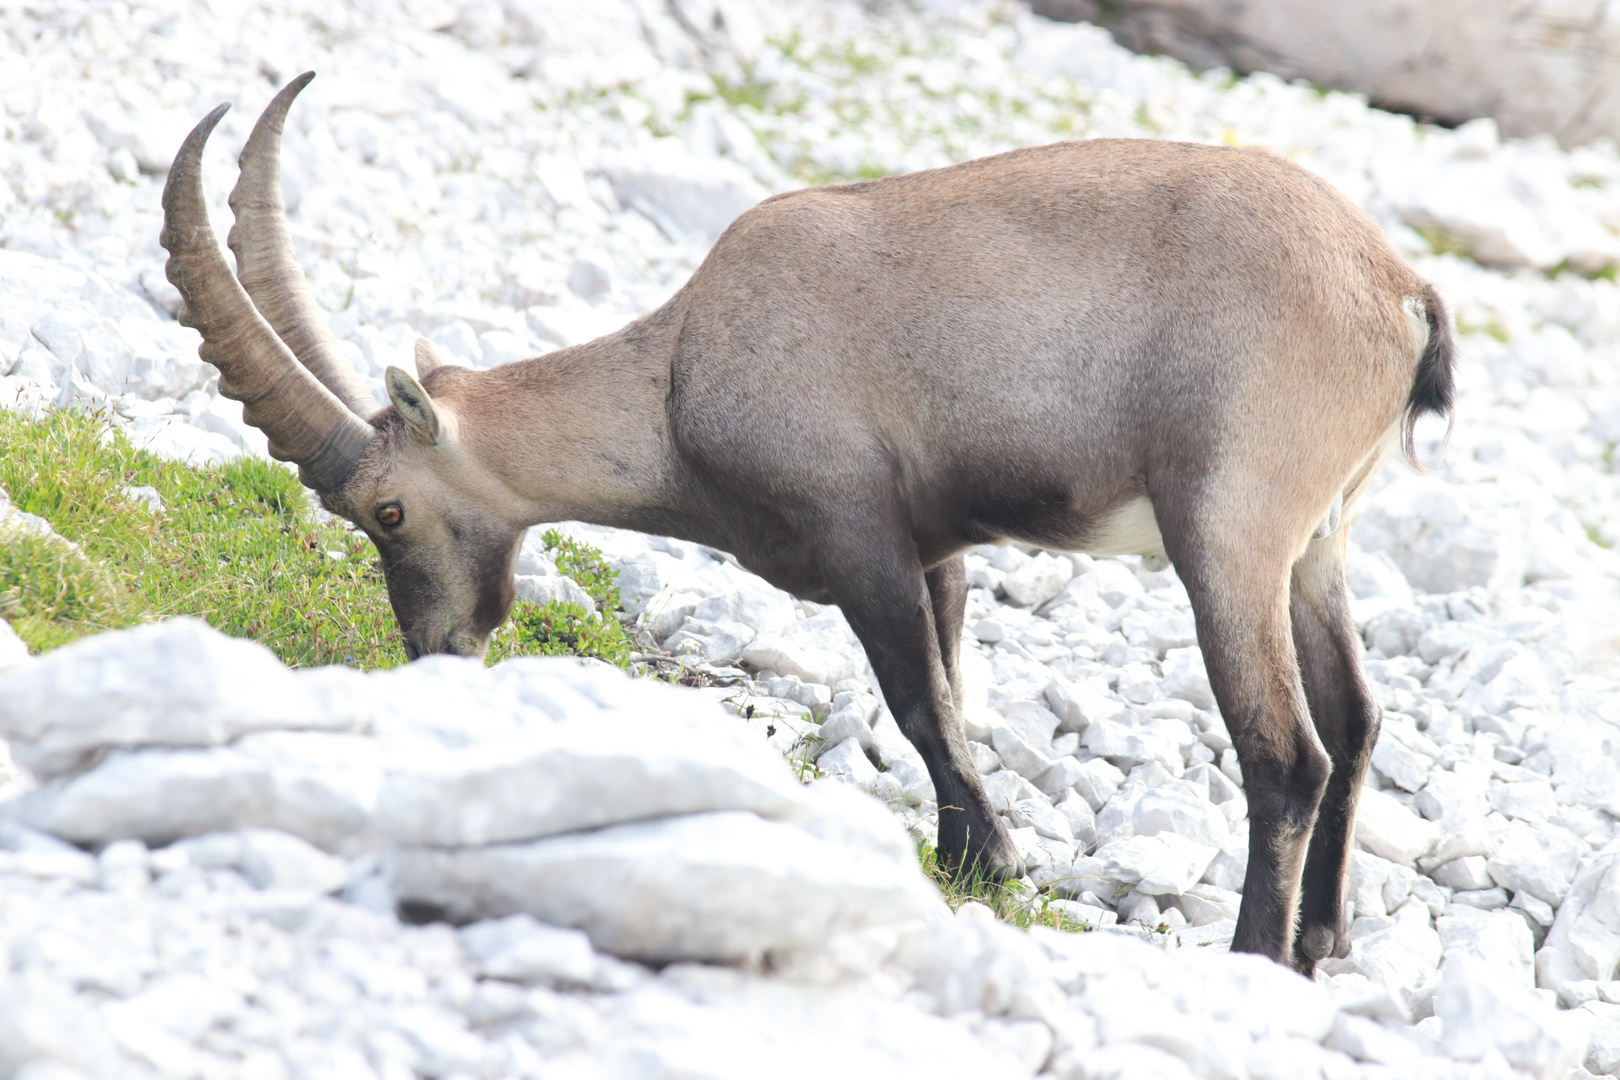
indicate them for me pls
(874, 574)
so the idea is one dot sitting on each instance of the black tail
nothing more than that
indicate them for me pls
(1432, 387)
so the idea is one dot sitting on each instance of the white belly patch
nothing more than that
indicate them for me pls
(1129, 530)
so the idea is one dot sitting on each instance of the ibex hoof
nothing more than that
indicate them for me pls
(1317, 942)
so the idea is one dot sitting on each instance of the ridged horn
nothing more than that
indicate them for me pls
(267, 266)
(305, 422)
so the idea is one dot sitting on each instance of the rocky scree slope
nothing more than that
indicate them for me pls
(507, 178)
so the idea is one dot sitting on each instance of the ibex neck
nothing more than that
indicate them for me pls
(582, 433)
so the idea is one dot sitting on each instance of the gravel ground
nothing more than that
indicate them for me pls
(190, 887)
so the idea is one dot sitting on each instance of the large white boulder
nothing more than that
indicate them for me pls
(1538, 67)
(725, 886)
(174, 683)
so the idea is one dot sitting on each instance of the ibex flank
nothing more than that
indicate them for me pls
(1114, 346)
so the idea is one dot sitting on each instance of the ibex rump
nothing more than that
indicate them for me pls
(1114, 346)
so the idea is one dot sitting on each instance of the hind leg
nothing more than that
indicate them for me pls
(1346, 719)
(947, 591)
(1235, 565)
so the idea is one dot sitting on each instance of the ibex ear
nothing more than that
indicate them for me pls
(413, 404)
(428, 357)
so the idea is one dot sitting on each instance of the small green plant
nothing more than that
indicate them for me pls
(585, 565)
(1011, 902)
(563, 629)
(1492, 329)
(1443, 243)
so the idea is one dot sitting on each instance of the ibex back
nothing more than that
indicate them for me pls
(1114, 346)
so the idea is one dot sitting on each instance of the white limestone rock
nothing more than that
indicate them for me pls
(1186, 678)
(1166, 864)
(172, 683)
(323, 791)
(13, 649)
(820, 649)
(1388, 829)
(522, 949)
(718, 642)
(1178, 809)
(1018, 753)
(1038, 580)
(1077, 704)
(1005, 787)
(684, 195)
(1584, 942)
(1445, 538)
(1097, 781)
(1603, 1051)
(558, 588)
(269, 858)
(847, 761)
(719, 887)
(1479, 1013)
(663, 759)
(1401, 951)
(1128, 742)
(1500, 942)
(1540, 860)
(1160, 630)
(1043, 817)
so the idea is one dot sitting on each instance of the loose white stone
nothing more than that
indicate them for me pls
(1018, 753)
(1388, 829)
(847, 760)
(1478, 1013)
(720, 642)
(1038, 580)
(522, 949)
(1041, 816)
(1584, 942)
(1078, 704)
(1167, 864)
(1540, 860)
(1465, 873)
(1097, 781)
(1499, 940)
(558, 588)
(1186, 678)
(817, 650)
(1177, 808)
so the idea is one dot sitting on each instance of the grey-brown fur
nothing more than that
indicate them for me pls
(863, 380)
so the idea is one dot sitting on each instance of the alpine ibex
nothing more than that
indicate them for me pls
(1114, 346)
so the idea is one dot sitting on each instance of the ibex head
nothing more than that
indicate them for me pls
(443, 523)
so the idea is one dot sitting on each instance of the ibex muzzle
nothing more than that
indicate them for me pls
(1115, 346)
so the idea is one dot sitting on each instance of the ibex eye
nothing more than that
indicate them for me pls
(391, 515)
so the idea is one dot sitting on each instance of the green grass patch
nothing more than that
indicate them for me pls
(238, 545)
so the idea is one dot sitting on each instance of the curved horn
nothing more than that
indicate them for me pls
(304, 421)
(267, 266)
